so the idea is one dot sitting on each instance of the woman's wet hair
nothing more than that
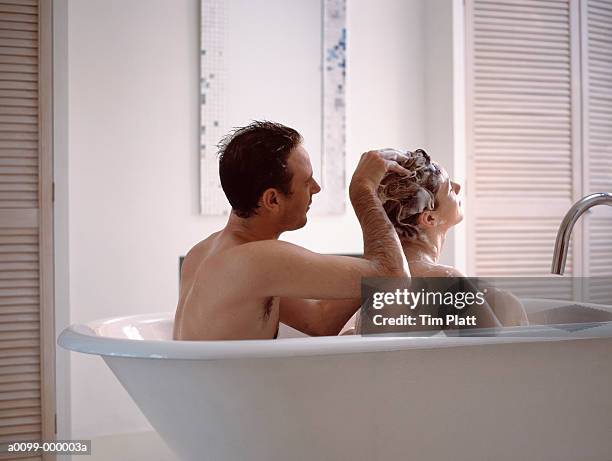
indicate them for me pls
(404, 198)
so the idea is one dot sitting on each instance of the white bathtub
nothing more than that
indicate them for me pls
(512, 397)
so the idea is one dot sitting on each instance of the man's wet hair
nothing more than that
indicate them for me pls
(252, 159)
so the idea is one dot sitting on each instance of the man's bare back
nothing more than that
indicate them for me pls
(204, 312)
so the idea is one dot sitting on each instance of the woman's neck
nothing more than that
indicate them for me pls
(425, 251)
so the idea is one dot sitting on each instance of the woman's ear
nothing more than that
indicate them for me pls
(269, 199)
(427, 219)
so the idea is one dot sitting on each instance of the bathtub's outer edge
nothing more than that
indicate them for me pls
(82, 338)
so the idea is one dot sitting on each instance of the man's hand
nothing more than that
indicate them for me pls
(372, 167)
(381, 244)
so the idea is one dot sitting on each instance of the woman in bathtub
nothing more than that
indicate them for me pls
(423, 207)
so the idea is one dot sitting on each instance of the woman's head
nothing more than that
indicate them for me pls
(426, 200)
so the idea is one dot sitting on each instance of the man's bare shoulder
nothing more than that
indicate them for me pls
(197, 254)
(254, 253)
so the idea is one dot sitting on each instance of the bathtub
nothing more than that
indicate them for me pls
(531, 393)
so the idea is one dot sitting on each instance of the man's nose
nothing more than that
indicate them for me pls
(316, 188)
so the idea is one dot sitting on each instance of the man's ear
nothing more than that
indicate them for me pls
(269, 199)
(427, 219)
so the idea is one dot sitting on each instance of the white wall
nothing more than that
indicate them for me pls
(438, 97)
(128, 169)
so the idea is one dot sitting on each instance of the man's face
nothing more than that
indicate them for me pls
(303, 187)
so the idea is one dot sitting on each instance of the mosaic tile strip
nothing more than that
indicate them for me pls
(213, 107)
(334, 107)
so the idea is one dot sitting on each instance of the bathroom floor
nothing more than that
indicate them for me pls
(137, 446)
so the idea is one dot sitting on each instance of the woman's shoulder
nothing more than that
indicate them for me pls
(438, 270)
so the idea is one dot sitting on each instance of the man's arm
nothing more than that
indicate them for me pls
(327, 317)
(317, 317)
(275, 268)
(380, 241)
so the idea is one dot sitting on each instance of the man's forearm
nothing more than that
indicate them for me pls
(380, 240)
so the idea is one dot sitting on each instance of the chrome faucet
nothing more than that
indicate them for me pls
(565, 229)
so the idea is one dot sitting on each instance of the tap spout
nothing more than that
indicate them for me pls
(567, 225)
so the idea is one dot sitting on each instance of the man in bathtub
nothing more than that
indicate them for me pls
(242, 280)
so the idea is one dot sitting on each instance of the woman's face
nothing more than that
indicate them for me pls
(449, 205)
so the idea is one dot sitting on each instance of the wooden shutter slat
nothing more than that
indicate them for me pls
(19, 387)
(20, 343)
(18, 275)
(8, 422)
(20, 60)
(16, 77)
(8, 336)
(21, 378)
(12, 95)
(17, 282)
(522, 43)
(17, 237)
(517, 55)
(15, 369)
(18, 178)
(10, 267)
(24, 171)
(21, 326)
(19, 248)
(16, 25)
(16, 430)
(25, 394)
(552, 4)
(16, 186)
(18, 317)
(20, 356)
(18, 18)
(19, 35)
(6, 85)
(26, 71)
(19, 171)
(23, 113)
(496, 10)
(494, 160)
(18, 160)
(21, 2)
(19, 403)
(28, 458)
(523, 150)
(522, 62)
(514, 80)
(23, 9)
(19, 200)
(19, 412)
(17, 50)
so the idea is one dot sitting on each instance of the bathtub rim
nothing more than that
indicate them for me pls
(84, 338)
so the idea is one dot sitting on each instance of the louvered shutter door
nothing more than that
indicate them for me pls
(521, 148)
(26, 400)
(597, 106)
